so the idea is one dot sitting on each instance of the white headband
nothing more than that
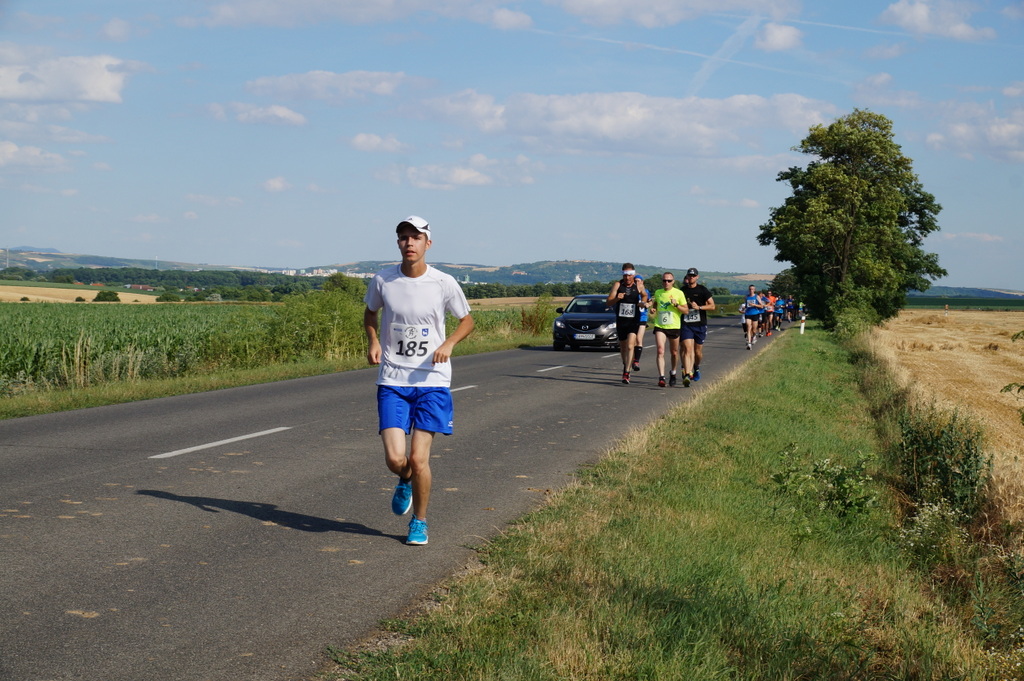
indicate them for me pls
(628, 272)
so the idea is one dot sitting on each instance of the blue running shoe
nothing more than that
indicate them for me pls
(696, 374)
(401, 502)
(417, 532)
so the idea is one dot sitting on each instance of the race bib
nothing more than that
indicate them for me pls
(664, 318)
(411, 344)
(692, 317)
(627, 309)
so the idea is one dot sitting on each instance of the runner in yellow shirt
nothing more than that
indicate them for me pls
(669, 306)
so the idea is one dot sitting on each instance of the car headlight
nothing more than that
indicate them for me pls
(559, 324)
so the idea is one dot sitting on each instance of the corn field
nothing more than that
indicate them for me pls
(71, 345)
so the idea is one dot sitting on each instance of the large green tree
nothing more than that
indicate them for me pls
(855, 223)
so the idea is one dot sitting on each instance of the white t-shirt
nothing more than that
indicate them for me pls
(412, 326)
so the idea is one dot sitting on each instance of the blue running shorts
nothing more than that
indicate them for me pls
(427, 409)
(696, 333)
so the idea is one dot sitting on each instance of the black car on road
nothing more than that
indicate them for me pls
(586, 322)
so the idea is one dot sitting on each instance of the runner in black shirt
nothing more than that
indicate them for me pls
(627, 295)
(695, 325)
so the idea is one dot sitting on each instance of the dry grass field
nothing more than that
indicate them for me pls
(36, 294)
(962, 360)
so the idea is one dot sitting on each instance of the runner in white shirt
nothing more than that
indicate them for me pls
(413, 393)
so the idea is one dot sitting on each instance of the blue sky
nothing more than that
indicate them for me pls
(296, 133)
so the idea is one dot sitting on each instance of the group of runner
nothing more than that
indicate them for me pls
(678, 316)
(764, 312)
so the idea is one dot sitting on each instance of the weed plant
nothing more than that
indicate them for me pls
(948, 528)
(939, 458)
(695, 550)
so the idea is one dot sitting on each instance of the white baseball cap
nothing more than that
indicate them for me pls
(416, 221)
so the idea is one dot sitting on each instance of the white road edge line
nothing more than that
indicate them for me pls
(540, 371)
(465, 387)
(168, 455)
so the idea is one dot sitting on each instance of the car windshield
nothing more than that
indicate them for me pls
(587, 306)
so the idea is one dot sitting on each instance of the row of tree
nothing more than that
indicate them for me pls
(187, 279)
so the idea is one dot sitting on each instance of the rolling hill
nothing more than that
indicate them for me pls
(45, 260)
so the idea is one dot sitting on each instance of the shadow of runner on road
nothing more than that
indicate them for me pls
(271, 513)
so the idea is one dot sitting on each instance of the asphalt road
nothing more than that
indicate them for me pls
(233, 535)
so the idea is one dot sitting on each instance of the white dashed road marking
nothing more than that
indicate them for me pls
(210, 445)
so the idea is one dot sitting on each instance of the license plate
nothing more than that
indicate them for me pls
(585, 336)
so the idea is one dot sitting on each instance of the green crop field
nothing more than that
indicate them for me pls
(58, 346)
(76, 345)
(65, 345)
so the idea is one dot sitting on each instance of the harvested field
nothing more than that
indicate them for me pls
(38, 294)
(962, 360)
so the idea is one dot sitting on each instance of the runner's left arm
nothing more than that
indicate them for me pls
(444, 351)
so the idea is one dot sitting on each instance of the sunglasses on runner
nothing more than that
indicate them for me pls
(668, 281)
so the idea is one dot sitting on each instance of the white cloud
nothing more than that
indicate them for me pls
(659, 13)
(276, 184)
(946, 18)
(1015, 11)
(876, 91)
(148, 218)
(470, 107)
(369, 142)
(25, 122)
(973, 236)
(478, 170)
(778, 37)
(886, 51)
(329, 86)
(24, 157)
(117, 30)
(291, 13)
(99, 78)
(1014, 89)
(274, 114)
(632, 122)
(973, 130)
(36, 189)
(508, 20)
(254, 114)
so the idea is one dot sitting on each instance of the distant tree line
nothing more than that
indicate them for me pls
(217, 285)
(475, 291)
(182, 279)
(559, 289)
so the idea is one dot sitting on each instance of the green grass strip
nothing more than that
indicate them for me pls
(737, 537)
